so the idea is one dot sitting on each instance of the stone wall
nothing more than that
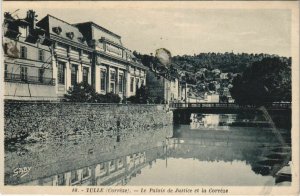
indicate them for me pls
(51, 137)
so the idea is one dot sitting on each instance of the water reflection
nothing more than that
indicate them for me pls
(224, 121)
(201, 153)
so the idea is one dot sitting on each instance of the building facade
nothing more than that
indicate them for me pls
(115, 69)
(163, 90)
(71, 56)
(28, 70)
(44, 60)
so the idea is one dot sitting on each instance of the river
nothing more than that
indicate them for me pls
(213, 149)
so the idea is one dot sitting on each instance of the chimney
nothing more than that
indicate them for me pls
(31, 18)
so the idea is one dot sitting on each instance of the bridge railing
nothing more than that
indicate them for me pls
(227, 105)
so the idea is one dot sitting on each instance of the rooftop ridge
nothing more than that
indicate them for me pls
(101, 28)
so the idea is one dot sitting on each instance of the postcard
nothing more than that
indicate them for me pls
(150, 97)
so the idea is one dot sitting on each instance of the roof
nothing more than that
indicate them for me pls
(102, 29)
(52, 22)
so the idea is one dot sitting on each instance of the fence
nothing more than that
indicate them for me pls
(9, 77)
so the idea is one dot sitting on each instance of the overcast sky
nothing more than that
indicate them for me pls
(182, 29)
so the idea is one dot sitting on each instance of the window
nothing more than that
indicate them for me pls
(41, 55)
(112, 76)
(85, 172)
(23, 52)
(85, 53)
(61, 45)
(102, 166)
(112, 83)
(6, 71)
(74, 75)
(103, 80)
(23, 73)
(61, 72)
(111, 163)
(112, 87)
(60, 179)
(142, 82)
(74, 176)
(137, 83)
(131, 84)
(121, 79)
(85, 75)
(41, 75)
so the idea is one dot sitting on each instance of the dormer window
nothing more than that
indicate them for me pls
(57, 30)
(70, 35)
(41, 38)
(81, 39)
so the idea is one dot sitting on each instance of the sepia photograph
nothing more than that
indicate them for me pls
(176, 97)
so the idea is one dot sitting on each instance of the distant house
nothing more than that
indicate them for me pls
(212, 98)
(224, 76)
(216, 71)
(162, 89)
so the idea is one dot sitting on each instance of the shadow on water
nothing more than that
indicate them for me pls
(213, 149)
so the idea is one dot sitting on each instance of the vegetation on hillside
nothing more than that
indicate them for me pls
(256, 78)
(268, 80)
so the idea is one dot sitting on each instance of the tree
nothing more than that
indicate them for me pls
(82, 92)
(211, 86)
(141, 96)
(85, 93)
(268, 80)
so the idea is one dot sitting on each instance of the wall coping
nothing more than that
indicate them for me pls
(79, 103)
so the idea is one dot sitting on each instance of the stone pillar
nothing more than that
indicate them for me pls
(68, 70)
(125, 164)
(79, 77)
(55, 180)
(134, 86)
(145, 75)
(54, 66)
(80, 175)
(116, 164)
(107, 79)
(91, 76)
(68, 178)
(117, 81)
(93, 174)
(127, 82)
(97, 79)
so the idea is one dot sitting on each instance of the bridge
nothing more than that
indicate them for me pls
(182, 111)
(222, 106)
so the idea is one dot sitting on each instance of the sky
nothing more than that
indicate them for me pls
(182, 27)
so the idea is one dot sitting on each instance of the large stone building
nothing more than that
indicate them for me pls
(115, 68)
(44, 59)
(71, 59)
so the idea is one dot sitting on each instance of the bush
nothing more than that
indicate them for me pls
(85, 93)
(142, 96)
(108, 98)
